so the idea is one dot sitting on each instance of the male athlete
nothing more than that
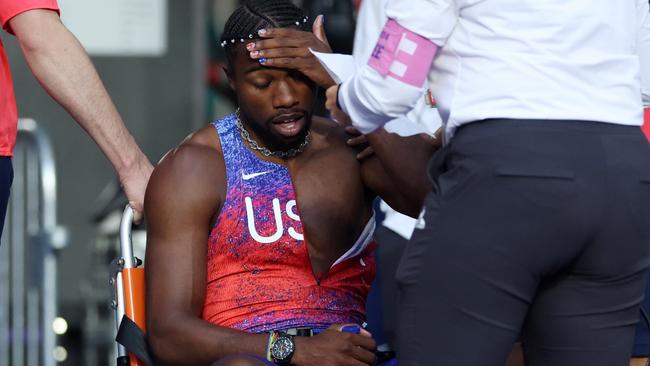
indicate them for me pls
(260, 225)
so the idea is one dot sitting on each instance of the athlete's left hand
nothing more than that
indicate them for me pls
(289, 48)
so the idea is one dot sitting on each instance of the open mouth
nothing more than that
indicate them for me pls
(289, 125)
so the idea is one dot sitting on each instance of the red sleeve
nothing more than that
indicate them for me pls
(646, 124)
(11, 8)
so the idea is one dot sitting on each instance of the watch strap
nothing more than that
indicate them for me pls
(273, 336)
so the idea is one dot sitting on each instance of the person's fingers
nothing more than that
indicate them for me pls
(287, 63)
(281, 52)
(359, 336)
(340, 118)
(319, 29)
(364, 332)
(358, 140)
(331, 94)
(278, 32)
(138, 216)
(270, 43)
(310, 68)
(361, 354)
(366, 153)
(364, 341)
(296, 41)
(351, 130)
(354, 362)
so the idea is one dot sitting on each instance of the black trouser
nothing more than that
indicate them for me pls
(642, 335)
(390, 250)
(6, 178)
(538, 228)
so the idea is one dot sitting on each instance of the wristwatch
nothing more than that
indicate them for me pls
(281, 349)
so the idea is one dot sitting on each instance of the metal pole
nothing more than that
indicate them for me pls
(125, 261)
(17, 333)
(33, 300)
(56, 238)
(32, 198)
(125, 238)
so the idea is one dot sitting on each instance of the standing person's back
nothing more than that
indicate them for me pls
(511, 59)
(540, 202)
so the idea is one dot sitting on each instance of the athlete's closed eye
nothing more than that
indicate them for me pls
(260, 83)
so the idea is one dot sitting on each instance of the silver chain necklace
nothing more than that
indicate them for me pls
(266, 152)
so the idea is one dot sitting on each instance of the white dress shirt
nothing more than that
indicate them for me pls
(521, 59)
(643, 44)
(422, 119)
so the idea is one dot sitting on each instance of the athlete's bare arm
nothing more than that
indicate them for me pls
(183, 197)
(396, 171)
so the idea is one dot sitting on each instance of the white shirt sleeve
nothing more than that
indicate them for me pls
(370, 99)
(643, 45)
(432, 19)
(371, 18)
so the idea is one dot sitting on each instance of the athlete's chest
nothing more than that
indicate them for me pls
(320, 202)
(332, 199)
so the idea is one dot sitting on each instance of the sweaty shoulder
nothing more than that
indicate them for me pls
(190, 179)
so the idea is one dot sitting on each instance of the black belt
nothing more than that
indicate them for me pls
(300, 332)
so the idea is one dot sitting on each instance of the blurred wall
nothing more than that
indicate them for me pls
(154, 98)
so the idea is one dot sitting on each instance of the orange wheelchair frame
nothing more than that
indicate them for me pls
(127, 279)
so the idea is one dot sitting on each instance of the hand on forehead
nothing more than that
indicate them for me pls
(290, 48)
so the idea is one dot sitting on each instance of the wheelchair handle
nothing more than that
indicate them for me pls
(126, 248)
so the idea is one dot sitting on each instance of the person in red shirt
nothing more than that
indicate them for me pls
(64, 70)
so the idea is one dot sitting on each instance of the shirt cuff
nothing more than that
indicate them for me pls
(371, 100)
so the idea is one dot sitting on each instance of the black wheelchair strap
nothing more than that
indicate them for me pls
(134, 340)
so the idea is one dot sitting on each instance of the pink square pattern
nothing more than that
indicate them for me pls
(403, 55)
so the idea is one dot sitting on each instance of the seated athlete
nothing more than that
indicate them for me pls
(260, 225)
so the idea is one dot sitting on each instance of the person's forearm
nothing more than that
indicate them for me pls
(186, 340)
(63, 68)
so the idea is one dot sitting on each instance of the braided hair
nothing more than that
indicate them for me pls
(253, 15)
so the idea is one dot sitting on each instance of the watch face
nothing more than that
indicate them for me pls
(282, 348)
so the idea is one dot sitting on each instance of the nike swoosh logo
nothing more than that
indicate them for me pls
(254, 175)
